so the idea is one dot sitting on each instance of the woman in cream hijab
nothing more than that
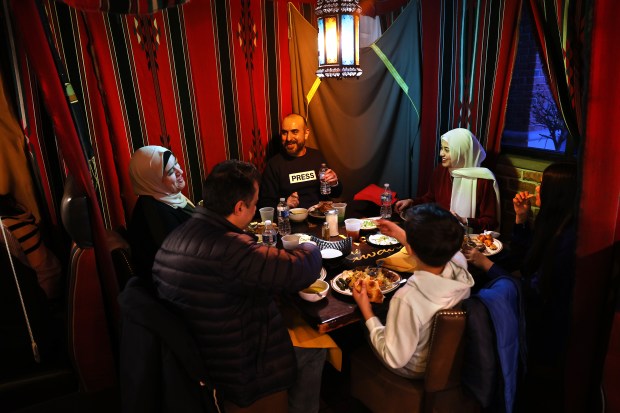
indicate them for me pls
(157, 179)
(461, 185)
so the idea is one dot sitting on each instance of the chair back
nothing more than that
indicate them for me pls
(445, 356)
(89, 341)
(381, 390)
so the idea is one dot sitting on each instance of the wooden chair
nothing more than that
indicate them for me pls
(439, 391)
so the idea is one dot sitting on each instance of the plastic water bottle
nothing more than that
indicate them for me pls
(386, 202)
(270, 236)
(284, 224)
(325, 188)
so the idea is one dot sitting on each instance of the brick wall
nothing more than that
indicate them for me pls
(515, 174)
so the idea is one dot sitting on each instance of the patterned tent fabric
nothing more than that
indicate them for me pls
(123, 6)
(205, 79)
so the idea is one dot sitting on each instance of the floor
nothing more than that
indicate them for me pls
(335, 393)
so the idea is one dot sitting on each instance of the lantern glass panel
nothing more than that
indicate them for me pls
(331, 40)
(347, 38)
(321, 38)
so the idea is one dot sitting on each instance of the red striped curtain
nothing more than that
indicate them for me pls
(208, 79)
(469, 49)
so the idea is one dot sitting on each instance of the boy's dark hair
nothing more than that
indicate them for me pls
(433, 233)
(228, 183)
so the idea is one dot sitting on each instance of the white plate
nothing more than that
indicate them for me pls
(330, 253)
(395, 285)
(487, 251)
(368, 224)
(381, 240)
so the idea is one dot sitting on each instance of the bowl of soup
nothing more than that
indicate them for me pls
(315, 291)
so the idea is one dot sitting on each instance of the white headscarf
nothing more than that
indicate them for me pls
(466, 155)
(146, 170)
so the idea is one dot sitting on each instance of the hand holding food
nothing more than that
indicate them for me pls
(522, 205)
(363, 302)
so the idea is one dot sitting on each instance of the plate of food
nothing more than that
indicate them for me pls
(379, 281)
(319, 210)
(303, 237)
(368, 224)
(485, 243)
(380, 240)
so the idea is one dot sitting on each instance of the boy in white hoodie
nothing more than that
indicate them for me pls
(433, 237)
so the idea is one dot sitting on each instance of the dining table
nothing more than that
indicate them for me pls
(337, 310)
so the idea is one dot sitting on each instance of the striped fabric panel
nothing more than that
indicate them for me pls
(471, 36)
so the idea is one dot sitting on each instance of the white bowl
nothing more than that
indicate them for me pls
(316, 291)
(331, 253)
(298, 214)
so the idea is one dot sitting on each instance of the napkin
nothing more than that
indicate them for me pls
(302, 335)
(400, 261)
(372, 193)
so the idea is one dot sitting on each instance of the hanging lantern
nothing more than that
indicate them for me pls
(339, 46)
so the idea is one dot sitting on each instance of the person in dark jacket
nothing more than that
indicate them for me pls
(224, 285)
(157, 179)
(548, 273)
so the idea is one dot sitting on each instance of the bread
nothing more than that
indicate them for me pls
(372, 290)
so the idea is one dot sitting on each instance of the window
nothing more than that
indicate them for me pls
(533, 120)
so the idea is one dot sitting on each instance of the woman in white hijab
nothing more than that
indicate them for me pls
(157, 179)
(461, 185)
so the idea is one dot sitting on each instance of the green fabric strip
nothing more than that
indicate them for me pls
(401, 82)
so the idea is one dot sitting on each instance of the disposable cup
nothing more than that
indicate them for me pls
(340, 207)
(266, 213)
(352, 226)
(290, 242)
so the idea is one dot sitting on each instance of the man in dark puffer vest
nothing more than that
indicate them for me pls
(224, 283)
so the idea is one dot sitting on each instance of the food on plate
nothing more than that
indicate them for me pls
(377, 281)
(368, 224)
(487, 240)
(380, 239)
(325, 206)
(256, 227)
(481, 242)
(372, 290)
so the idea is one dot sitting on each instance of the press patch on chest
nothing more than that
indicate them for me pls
(302, 177)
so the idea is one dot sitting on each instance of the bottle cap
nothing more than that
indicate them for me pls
(281, 199)
(267, 222)
(330, 212)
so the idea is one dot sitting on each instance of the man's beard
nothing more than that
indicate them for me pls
(297, 149)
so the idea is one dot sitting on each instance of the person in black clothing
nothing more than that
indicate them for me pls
(157, 179)
(224, 285)
(294, 173)
(547, 274)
